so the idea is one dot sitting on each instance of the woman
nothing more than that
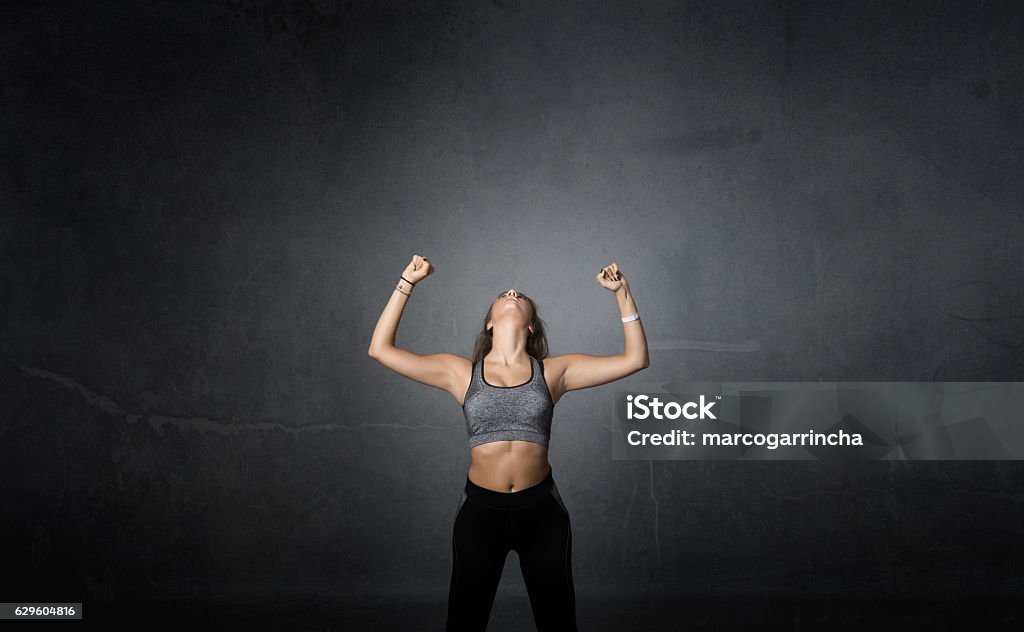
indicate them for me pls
(507, 392)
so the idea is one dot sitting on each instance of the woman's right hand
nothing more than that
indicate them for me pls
(418, 269)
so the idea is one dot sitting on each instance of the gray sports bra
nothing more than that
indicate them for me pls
(505, 413)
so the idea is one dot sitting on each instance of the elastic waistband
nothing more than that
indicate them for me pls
(510, 500)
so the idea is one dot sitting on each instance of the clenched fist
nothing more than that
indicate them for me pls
(610, 278)
(419, 268)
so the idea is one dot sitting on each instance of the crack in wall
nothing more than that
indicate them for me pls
(200, 424)
(745, 346)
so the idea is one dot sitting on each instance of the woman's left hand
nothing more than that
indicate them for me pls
(610, 278)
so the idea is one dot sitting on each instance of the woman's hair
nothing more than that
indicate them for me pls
(536, 343)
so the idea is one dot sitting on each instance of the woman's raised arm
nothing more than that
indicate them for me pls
(574, 371)
(436, 369)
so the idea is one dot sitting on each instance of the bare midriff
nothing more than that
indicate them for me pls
(508, 466)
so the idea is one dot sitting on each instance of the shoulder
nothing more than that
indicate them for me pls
(555, 365)
(553, 368)
(459, 365)
(458, 369)
(451, 360)
(461, 370)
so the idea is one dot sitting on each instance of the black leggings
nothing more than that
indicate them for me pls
(488, 524)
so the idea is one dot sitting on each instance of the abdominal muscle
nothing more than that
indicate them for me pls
(508, 466)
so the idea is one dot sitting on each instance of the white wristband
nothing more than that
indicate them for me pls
(629, 319)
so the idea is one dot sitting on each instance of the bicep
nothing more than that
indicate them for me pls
(433, 369)
(582, 370)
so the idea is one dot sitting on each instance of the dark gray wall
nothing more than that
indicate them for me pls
(205, 206)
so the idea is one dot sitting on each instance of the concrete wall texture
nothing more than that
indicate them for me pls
(205, 207)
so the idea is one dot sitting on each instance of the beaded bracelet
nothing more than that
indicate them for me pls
(398, 286)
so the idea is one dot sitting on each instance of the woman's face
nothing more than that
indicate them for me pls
(512, 304)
